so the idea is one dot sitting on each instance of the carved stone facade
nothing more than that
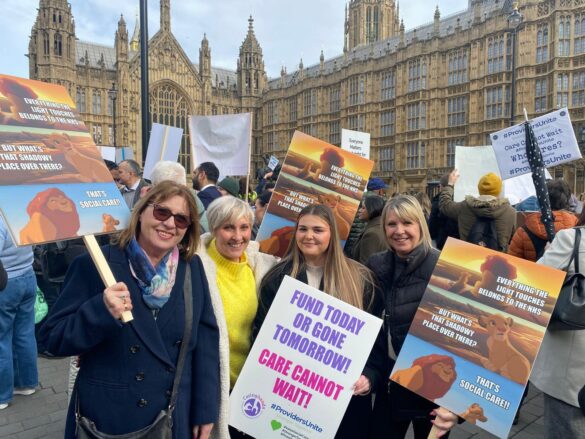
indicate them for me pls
(418, 92)
(177, 86)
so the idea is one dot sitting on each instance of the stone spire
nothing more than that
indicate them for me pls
(251, 75)
(135, 40)
(165, 15)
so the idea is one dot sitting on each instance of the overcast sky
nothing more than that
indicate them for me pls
(286, 30)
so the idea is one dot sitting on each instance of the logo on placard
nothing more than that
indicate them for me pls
(275, 425)
(253, 405)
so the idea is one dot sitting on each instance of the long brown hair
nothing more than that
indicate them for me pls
(343, 278)
(158, 194)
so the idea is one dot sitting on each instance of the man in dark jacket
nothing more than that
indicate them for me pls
(488, 205)
(440, 225)
(204, 180)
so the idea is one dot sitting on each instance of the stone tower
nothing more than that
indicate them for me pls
(52, 44)
(251, 76)
(367, 21)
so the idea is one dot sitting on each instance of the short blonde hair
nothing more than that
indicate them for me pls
(228, 210)
(168, 171)
(407, 208)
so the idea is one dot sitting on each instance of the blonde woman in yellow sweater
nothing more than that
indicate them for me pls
(234, 268)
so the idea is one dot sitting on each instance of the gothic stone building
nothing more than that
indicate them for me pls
(418, 92)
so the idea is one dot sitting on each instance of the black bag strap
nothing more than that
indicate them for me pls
(575, 255)
(188, 295)
(537, 242)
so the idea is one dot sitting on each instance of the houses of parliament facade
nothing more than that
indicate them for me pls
(419, 92)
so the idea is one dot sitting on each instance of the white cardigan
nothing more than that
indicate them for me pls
(559, 369)
(260, 263)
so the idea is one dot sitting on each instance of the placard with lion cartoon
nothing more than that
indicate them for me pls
(313, 171)
(54, 184)
(477, 332)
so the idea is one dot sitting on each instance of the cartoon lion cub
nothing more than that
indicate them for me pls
(503, 358)
(473, 414)
(333, 202)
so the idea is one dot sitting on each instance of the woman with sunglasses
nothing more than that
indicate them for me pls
(234, 267)
(127, 370)
(316, 258)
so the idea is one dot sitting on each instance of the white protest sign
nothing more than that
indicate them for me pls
(356, 142)
(517, 189)
(272, 163)
(555, 137)
(124, 153)
(472, 162)
(164, 144)
(108, 153)
(297, 379)
(223, 140)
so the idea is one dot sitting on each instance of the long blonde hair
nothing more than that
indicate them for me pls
(343, 278)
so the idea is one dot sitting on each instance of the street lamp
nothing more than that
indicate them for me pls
(514, 21)
(113, 93)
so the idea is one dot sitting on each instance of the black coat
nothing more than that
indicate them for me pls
(355, 422)
(3, 277)
(127, 370)
(441, 226)
(208, 195)
(401, 299)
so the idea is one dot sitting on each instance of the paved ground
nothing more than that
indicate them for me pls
(42, 415)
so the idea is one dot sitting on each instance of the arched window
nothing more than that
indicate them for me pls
(376, 22)
(46, 43)
(368, 23)
(169, 106)
(58, 45)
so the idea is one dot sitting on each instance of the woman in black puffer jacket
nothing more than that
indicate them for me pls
(402, 274)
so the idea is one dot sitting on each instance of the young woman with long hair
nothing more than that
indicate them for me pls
(316, 258)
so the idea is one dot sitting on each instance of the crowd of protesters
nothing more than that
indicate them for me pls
(200, 243)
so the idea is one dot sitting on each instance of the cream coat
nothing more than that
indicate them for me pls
(260, 263)
(559, 369)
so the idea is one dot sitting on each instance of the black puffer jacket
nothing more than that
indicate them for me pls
(402, 295)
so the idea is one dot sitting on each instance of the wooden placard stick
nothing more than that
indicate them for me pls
(103, 268)
(433, 433)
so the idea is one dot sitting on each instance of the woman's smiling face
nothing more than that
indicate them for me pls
(232, 238)
(403, 236)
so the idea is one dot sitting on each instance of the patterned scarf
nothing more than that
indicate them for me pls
(155, 283)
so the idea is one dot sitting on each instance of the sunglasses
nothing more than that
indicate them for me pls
(161, 213)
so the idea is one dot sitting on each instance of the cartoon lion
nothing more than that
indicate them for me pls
(504, 358)
(333, 202)
(430, 376)
(278, 241)
(110, 223)
(52, 216)
(15, 92)
(493, 266)
(89, 168)
(473, 414)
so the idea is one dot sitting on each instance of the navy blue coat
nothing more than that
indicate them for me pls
(127, 370)
(208, 195)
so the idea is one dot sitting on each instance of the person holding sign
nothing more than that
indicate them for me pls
(316, 258)
(18, 348)
(559, 369)
(402, 275)
(234, 267)
(127, 371)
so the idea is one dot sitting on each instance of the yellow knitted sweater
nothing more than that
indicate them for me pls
(237, 288)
